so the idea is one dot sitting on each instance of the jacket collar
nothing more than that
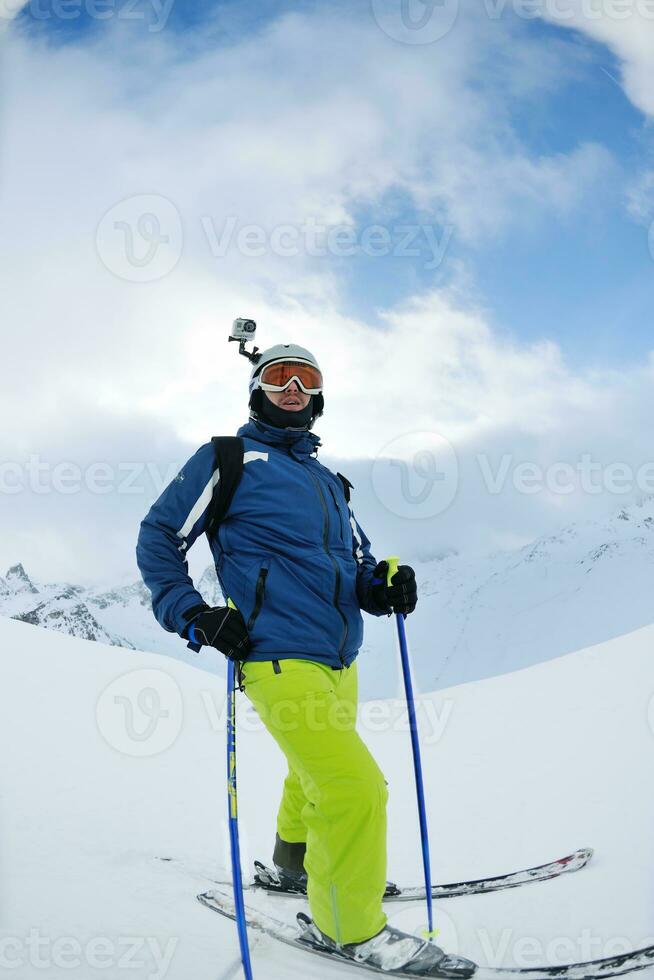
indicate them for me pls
(298, 442)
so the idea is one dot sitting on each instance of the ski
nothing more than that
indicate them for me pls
(267, 879)
(300, 936)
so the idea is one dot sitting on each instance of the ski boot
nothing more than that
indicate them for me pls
(394, 951)
(292, 882)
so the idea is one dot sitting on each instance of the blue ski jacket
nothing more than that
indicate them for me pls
(289, 552)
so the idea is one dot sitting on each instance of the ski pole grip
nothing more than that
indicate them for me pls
(393, 562)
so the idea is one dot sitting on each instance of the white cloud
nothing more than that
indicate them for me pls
(640, 198)
(626, 28)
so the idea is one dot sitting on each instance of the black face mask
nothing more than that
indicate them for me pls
(282, 418)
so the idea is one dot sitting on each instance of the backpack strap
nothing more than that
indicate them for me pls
(347, 486)
(229, 462)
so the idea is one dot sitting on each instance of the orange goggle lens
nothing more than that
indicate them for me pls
(278, 376)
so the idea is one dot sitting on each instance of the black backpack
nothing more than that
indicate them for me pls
(228, 459)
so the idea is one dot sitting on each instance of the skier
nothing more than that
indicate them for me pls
(297, 566)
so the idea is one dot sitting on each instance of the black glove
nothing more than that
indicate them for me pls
(401, 595)
(223, 628)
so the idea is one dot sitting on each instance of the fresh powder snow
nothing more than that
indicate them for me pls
(113, 810)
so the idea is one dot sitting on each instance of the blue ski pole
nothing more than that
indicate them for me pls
(415, 745)
(241, 923)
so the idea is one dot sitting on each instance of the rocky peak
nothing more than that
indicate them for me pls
(209, 587)
(18, 579)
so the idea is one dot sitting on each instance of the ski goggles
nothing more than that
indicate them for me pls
(278, 376)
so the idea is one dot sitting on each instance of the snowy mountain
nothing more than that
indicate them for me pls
(125, 771)
(121, 616)
(16, 580)
(63, 608)
(477, 617)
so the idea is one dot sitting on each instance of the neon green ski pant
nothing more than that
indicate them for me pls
(334, 796)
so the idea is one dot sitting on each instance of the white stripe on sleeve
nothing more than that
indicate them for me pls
(200, 505)
(358, 554)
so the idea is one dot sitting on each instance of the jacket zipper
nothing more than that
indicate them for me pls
(340, 516)
(259, 596)
(325, 542)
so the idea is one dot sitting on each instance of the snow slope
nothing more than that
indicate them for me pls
(113, 760)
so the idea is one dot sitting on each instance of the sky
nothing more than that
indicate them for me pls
(450, 203)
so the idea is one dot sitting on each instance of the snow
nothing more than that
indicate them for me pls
(114, 759)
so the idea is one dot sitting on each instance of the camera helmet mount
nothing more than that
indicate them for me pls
(243, 331)
(282, 357)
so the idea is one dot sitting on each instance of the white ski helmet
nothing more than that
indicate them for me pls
(280, 353)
